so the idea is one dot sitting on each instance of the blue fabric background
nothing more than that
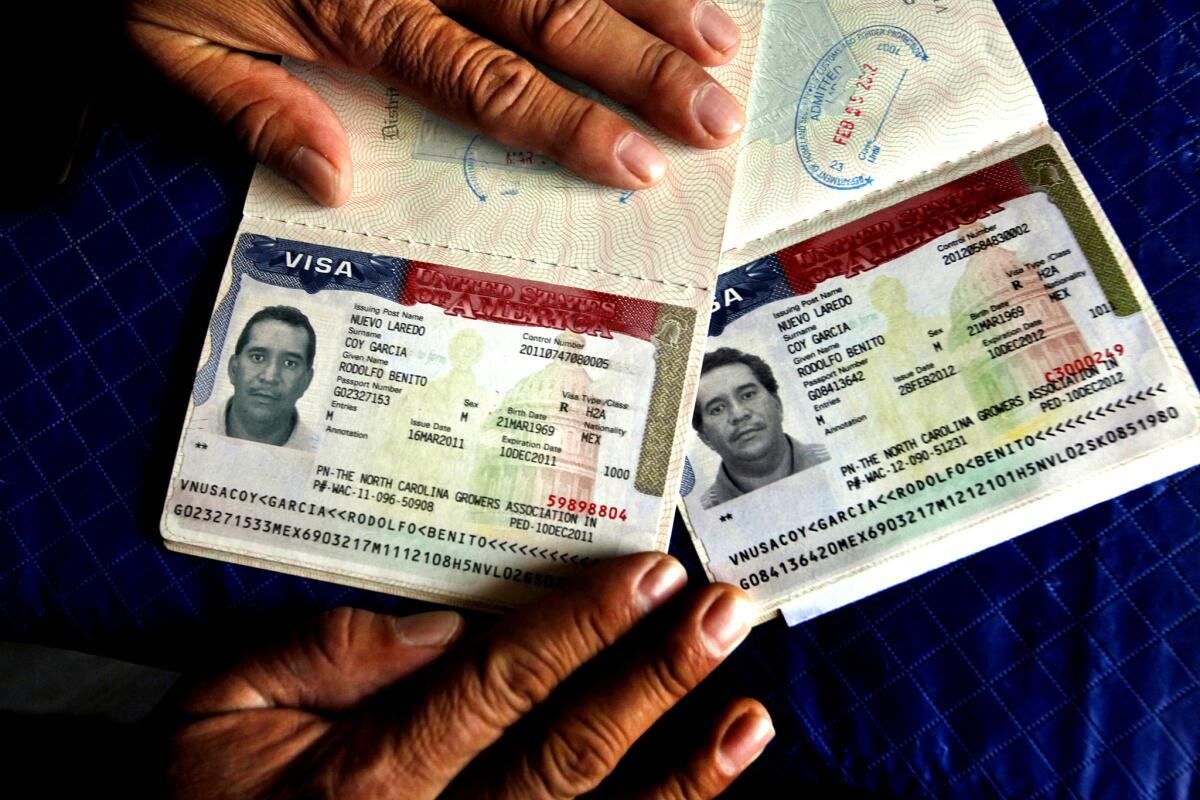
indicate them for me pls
(1063, 664)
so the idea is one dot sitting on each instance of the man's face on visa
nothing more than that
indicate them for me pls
(742, 421)
(271, 372)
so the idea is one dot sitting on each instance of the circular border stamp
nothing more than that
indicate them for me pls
(846, 102)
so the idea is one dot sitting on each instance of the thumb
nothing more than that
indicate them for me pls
(279, 119)
(329, 664)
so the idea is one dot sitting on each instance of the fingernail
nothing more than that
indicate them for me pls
(660, 582)
(718, 112)
(715, 26)
(725, 623)
(744, 741)
(433, 629)
(315, 175)
(639, 155)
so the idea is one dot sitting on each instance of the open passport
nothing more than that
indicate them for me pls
(890, 328)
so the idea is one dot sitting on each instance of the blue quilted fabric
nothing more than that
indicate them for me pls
(1063, 664)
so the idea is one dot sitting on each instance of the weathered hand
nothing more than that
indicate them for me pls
(644, 53)
(344, 709)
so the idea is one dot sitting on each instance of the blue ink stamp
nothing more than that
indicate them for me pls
(475, 181)
(844, 107)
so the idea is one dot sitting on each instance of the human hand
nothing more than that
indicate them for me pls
(646, 54)
(340, 710)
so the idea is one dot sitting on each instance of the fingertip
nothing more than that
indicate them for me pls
(638, 156)
(718, 31)
(726, 621)
(730, 746)
(662, 581)
(432, 629)
(718, 113)
(320, 177)
(744, 739)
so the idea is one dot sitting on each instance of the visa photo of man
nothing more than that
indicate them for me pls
(739, 416)
(270, 369)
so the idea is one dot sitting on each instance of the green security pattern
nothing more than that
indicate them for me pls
(1044, 171)
(672, 339)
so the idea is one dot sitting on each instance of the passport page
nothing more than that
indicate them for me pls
(433, 186)
(851, 97)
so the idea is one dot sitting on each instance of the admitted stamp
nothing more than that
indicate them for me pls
(843, 110)
(414, 426)
(890, 395)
